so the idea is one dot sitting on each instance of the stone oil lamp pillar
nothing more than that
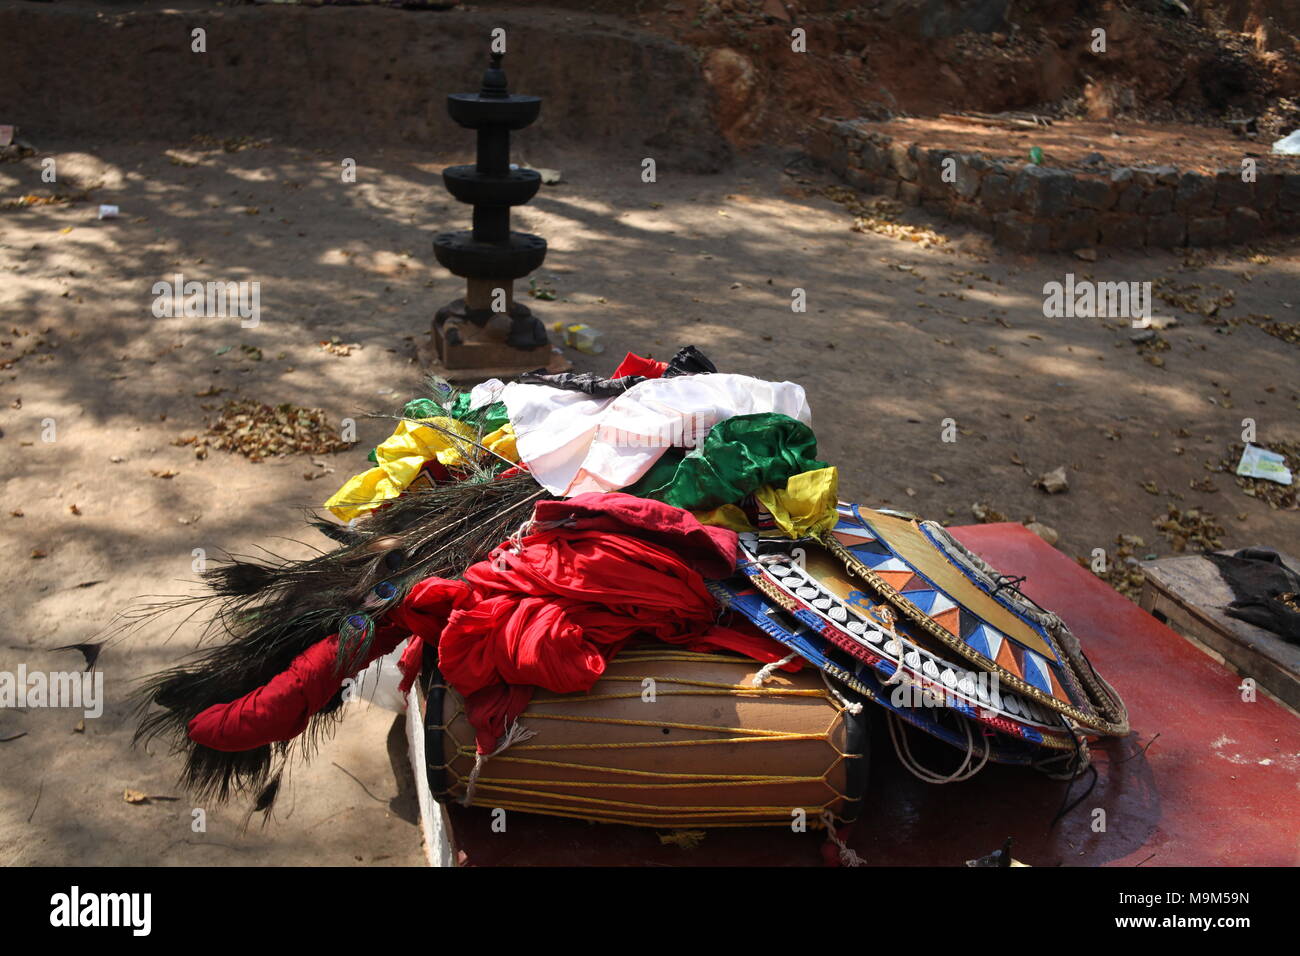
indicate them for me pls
(487, 329)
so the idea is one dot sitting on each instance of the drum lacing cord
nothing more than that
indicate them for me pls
(615, 810)
(514, 735)
(898, 734)
(767, 670)
(847, 856)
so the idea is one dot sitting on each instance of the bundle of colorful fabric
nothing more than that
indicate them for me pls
(516, 538)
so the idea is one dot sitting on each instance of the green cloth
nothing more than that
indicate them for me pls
(423, 408)
(489, 418)
(739, 455)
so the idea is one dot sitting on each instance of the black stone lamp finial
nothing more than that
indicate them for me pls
(494, 79)
(490, 256)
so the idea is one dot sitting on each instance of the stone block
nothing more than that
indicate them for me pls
(1207, 231)
(902, 156)
(1168, 231)
(1130, 192)
(1288, 197)
(1042, 192)
(934, 173)
(1230, 191)
(861, 179)
(1121, 229)
(1158, 201)
(995, 192)
(1195, 195)
(1021, 232)
(873, 158)
(970, 171)
(971, 214)
(1077, 229)
(1266, 190)
(1148, 177)
(1093, 193)
(1244, 224)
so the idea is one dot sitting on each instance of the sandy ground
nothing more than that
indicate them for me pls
(897, 338)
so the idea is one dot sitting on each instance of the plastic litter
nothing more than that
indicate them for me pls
(1288, 145)
(1259, 462)
(108, 212)
(378, 683)
(581, 337)
(549, 176)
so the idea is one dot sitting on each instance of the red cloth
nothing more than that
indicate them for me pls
(600, 569)
(634, 364)
(554, 613)
(279, 710)
(710, 551)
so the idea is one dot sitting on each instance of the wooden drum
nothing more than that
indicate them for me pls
(666, 738)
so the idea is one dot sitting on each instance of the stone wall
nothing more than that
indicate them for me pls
(1041, 208)
(354, 77)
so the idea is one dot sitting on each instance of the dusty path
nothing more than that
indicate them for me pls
(897, 338)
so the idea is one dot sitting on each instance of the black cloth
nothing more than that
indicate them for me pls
(588, 382)
(688, 361)
(1267, 592)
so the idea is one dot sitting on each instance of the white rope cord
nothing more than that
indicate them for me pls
(904, 645)
(767, 670)
(515, 543)
(847, 856)
(516, 734)
(898, 734)
(852, 706)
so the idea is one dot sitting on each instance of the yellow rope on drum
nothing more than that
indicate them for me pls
(643, 806)
(710, 822)
(520, 793)
(628, 722)
(660, 774)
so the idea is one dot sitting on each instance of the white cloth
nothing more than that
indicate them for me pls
(573, 442)
(485, 393)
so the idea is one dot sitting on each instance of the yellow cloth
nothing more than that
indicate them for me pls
(502, 441)
(402, 455)
(804, 507)
(725, 516)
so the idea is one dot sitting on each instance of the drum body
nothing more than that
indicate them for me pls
(666, 738)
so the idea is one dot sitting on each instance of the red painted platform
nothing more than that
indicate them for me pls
(1218, 783)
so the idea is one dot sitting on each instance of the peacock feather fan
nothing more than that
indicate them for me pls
(266, 613)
